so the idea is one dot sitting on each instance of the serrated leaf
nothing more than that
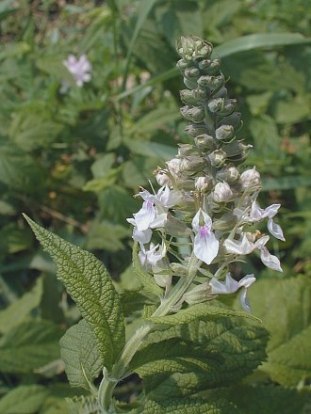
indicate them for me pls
(284, 307)
(82, 405)
(189, 406)
(184, 360)
(148, 283)
(25, 399)
(196, 312)
(90, 286)
(79, 351)
(106, 235)
(19, 310)
(28, 346)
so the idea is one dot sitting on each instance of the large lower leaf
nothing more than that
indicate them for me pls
(186, 359)
(29, 346)
(79, 352)
(284, 307)
(90, 286)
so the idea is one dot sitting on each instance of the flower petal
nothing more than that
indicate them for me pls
(206, 247)
(142, 236)
(269, 260)
(244, 301)
(145, 215)
(201, 218)
(242, 247)
(272, 210)
(275, 230)
(225, 288)
(247, 281)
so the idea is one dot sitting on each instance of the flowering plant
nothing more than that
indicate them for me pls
(188, 236)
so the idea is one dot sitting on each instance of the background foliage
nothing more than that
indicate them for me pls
(73, 159)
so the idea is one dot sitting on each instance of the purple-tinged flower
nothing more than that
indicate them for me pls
(80, 68)
(231, 286)
(258, 214)
(206, 245)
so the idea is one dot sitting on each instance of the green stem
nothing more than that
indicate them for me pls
(121, 368)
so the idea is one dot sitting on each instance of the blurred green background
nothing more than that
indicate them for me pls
(72, 157)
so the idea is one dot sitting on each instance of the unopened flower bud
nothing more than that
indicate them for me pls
(224, 132)
(182, 64)
(203, 184)
(192, 72)
(234, 119)
(211, 82)
(230, 175)
(188, 97)
(173, 166)
(185, 149)
(192, 164)
(250, 179)
(195, 114)
(195, 129)
(222, 193)
(221, 93)
(199, 294)
(190, 83)
(204, 142)
(217, 158)
(162, 178)
(222, 106)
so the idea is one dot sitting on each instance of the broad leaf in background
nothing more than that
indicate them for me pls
(29, 346)
(90, 286)
(25, 399)
(83, 362)
(19, 310)
(284, 307)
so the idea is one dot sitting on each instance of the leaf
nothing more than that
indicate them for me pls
(148, 283)
(82, 405)
(19, 310)
(286, 183)
(106, 235)
(151, 149)
(284, 307)
(293, 111)
(199, 312)
(90, 286)
(189, 406)
(183, 360)
(83, 362)
(25, 399)
(265, 133)
(28, 346)
(261, 40)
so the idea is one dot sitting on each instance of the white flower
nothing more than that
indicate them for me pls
(152, 258)
(80, 68)
(153, 213)
(245, 246)
(231, 286)
(174, 166)
(222, 193)
(202, 183)
(206, 245)
(258, 214)
(250, 179)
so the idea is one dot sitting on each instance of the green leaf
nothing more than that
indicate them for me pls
(25, 399)
(187, 359)
(79, 351)
(151, 149)
(82, 405)
(284, 307)
(148, 283)
(265, 133)
(90, 286)
(19, 310)
(261, 40)
(286, 183)
(189, 406)
(106, 235)
(29, 346)
(196, 312)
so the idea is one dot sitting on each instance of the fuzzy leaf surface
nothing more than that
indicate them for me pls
(200, 311)
(182, 360)
(80, 354)
(29, 346)
(90, 286)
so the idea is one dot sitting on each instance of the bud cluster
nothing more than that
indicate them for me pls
(205, 200)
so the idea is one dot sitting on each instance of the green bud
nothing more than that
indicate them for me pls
(185, 149)
(199, 294)
(190, 83)
(233, 119)
(195, 129)
(230, 174)
(217, 158)
(211, 82)
(192, 72)
(193, 48)
(188, 96)
(224, 132)
(182, 64)
(222, 106)
(221, 93)
(192, 164)
(204, 142)
(195, 114)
